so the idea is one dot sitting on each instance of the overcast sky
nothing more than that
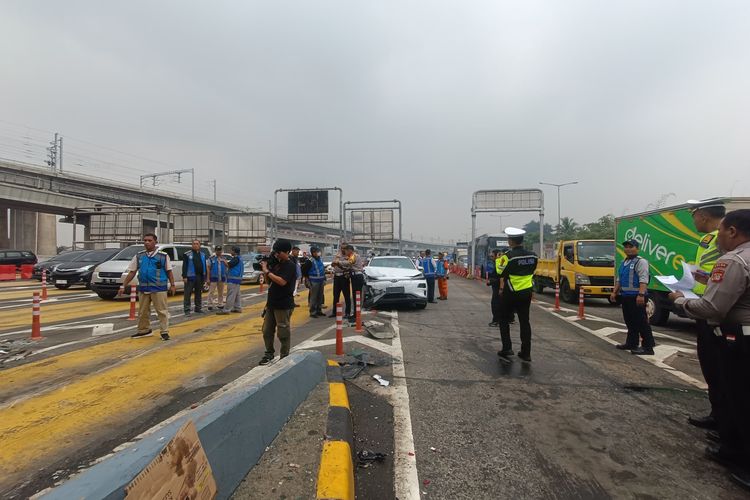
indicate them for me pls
(422, 101)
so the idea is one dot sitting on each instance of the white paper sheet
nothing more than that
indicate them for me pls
(684, 284)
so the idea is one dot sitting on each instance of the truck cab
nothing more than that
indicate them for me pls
(586, 265)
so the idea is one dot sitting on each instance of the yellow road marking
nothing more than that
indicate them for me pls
(337, 394)
(42, 429)
(336, 473)
(54, 312)
(37, 374)
(51, 292)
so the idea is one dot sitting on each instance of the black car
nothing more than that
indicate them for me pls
(80, 269)
(17, 258)
(50, 264)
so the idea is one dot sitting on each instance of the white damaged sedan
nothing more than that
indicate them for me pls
(394, 280)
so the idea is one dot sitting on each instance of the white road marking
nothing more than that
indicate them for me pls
(661, 352)
(405, 465)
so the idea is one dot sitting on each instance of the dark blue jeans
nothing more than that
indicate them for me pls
(430, 288)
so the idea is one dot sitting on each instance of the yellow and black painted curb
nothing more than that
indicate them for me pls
(336, 473)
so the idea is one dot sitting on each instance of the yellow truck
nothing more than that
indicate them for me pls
(579, 264)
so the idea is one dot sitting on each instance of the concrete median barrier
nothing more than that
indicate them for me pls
(235, 425)
(336, 473)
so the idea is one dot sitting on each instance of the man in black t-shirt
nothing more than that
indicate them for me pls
(282, 278)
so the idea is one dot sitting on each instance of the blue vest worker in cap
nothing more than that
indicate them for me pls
(631, 284)
(235, 270)
(515, 270)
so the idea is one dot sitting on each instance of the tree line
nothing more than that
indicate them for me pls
(601, 229)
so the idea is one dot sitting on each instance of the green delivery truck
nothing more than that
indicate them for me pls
(668, 238)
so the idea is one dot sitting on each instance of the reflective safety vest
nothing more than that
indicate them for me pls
(629, 280)
(236, 272)
(428, 267)
(152, 271)
(517, 267)
(218, 269)
(317, 273)
(191, 264)
(707, 255)
(441, 271)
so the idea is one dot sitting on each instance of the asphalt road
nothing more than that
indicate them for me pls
(583, 420)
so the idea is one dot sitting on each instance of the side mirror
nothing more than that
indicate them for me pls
(420, 268)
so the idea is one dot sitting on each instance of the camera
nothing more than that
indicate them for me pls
(270, 259)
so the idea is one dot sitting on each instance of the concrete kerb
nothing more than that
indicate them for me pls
(235, 425)
(336, 474)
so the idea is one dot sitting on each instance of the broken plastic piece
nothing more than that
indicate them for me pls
(370, 456)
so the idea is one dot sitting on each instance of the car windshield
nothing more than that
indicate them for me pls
(394, 262)
(596, 253)
(64, 257)
(128, 253)
(96, 256)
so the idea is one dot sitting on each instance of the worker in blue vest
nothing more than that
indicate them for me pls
(218, 279)
(235, 270)
(429, 269)
(631, 284)
(195, 274)
(314, 275)
(154, 271)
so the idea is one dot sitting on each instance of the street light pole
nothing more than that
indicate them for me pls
(558, 186)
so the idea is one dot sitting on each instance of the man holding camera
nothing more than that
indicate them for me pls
(281, 273)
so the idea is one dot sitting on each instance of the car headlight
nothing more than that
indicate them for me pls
(582, 279)
(85, 268)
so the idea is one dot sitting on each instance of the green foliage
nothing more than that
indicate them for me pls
(601, 229)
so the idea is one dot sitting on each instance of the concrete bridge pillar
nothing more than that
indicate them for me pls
(4, 228)
(33, 231)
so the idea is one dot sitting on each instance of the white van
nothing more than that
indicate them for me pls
(108, 277)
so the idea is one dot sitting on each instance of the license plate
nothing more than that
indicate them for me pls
(61, 282)
(394, 289)
(109, 281)
(607, 290)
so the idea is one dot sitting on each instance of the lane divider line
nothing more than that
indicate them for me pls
(336, 472)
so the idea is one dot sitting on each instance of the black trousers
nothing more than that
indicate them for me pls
(193, 287)
(341, 285)
(518, 303)
(358, 283)
(709, 346)
(734, 362)
(430, 288)
(495, 302)
(637, 322)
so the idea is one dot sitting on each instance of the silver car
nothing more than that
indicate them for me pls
(394, 280)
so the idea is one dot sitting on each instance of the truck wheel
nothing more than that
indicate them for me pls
(657, 314)
(107, 295)
(538, 285)
(568, 295)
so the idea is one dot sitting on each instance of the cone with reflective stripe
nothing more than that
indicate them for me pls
(557, 295)
(132, 302)
(581, 314)
(36, 323)
(339, 329)
(44, 284)
(260, 282)
(358, 311)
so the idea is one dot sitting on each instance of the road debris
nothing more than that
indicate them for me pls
(381, 380)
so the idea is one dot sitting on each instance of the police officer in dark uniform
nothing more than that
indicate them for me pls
(726, 307)
(515, 269)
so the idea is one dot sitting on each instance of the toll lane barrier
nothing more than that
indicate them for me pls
(235, 425)
(336, 473)
(26, 271)
(8, 273)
